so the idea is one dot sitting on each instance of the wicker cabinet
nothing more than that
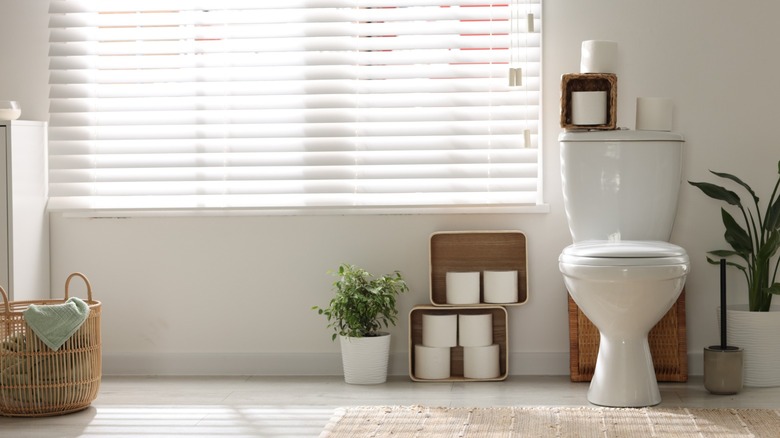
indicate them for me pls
(667, 340)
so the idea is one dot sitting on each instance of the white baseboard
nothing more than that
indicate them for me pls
(310, 364)
(228, 364)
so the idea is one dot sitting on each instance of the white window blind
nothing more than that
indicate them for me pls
(293, 104)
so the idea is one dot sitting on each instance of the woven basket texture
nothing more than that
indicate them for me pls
(37, 381)
(668, 344)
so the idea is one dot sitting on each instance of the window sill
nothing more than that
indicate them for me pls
(340, 211)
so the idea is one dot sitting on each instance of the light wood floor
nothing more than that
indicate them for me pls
(301, 406)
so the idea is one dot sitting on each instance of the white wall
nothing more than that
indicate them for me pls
(24, 74)
(233, 294)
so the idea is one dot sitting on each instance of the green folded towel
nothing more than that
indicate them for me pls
(56, 323)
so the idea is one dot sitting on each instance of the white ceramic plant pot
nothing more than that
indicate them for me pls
(365, 359)
(757, 333)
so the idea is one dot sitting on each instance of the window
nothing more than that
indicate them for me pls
(293, 105)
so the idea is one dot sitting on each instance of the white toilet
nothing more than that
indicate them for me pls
(620, 193)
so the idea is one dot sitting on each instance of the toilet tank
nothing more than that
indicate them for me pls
(622, 184)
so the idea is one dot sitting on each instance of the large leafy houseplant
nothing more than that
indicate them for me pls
(362, 304)
(755, 244)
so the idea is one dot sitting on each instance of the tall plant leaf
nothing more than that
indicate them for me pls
(717, 262)
(772, 220)
(769, 248)
(735, 235)
(722, 253)
(717, 192)
(738, 181)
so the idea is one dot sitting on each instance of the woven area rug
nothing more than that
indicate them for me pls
(423, 422)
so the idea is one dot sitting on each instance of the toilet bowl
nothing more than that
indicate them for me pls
(620, 192)
(624, 288)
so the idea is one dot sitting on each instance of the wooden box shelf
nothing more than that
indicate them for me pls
(472, 251)
(500, 337)
(572, 82)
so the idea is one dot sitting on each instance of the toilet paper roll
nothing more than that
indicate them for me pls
(589, 107)
(653, 114)
(598, 57)
(500, 286)
(462, 287)
(440, 330)
(481, 362)
(431, 362)
(475, 330)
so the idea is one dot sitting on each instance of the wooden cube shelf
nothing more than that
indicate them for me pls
(477, 251)
(500, 337)
(572, 82)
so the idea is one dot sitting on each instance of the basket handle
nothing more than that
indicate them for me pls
(86, 281)
(5, 300)
(7, 311)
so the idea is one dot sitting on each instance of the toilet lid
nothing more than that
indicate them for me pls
(624, 253)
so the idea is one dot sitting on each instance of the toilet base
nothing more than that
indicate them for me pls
(624, 374)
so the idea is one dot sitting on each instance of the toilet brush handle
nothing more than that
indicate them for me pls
(723, 340)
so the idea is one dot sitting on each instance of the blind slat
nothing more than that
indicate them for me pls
(162, 104)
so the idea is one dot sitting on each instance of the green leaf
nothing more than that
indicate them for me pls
(775, 289)
(735, 235)
(717, 192)
(722, 253)
(772, 220)
(717, 262)
(362, 305)
(769, 248)
(738, 181)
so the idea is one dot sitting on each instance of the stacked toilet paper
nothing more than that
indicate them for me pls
(499, 287)
(589, 107)
(432, 357)
(442, 332)
(598, 57)
(462, 287)
(480, 354)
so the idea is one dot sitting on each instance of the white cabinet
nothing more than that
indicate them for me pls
(24, 222)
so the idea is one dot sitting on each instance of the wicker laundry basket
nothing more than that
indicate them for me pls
(37, 381)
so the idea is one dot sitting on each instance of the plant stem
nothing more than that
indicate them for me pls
(765, 235)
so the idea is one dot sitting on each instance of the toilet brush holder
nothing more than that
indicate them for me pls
(723, 363)
(723, 369)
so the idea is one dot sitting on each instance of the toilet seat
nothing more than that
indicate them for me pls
(623, 253)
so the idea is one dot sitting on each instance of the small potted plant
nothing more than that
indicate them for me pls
(754, 239)
(357, 313)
